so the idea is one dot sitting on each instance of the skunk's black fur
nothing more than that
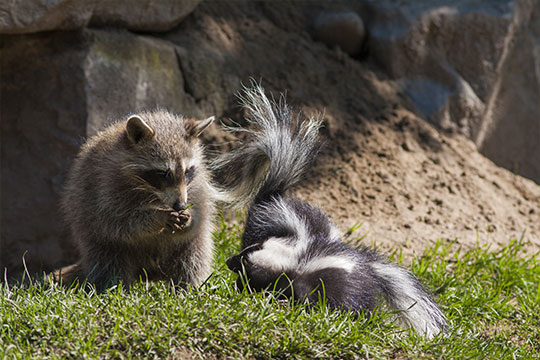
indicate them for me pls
(293, 247)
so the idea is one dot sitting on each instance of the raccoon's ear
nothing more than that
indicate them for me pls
(195, 128)
(138, 130)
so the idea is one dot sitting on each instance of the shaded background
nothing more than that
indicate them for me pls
(416, 96)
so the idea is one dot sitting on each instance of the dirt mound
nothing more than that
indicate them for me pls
(410, 185)
(383, 165)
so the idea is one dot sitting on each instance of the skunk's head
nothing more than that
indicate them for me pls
(257, 276)
(275, 267)
(293, 285)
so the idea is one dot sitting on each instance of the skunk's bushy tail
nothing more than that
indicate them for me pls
(278, 153)
(405, 294)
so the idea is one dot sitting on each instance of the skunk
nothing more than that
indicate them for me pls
(292, 247)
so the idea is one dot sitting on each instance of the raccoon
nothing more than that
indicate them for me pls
(140, 203)
(292, 247)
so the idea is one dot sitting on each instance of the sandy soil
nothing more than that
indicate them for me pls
(383, 166)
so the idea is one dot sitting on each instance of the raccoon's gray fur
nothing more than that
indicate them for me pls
(293, 247)
(140, 203)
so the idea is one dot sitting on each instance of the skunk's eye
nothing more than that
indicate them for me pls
(189, 174)
(158, 178)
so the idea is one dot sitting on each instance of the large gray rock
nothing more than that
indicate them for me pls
(43, 114)
(57, 88)
(467, 66)
(510, 130)
(444, 53)
(27, 16)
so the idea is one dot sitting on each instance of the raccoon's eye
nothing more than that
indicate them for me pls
(168, 175)
(158, 178)
(189, 174)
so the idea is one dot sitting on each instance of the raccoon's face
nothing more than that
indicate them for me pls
(164, 165)
(170, 183)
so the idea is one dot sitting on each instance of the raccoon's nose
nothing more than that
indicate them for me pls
(179, 205)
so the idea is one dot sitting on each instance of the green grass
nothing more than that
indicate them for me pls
(490, 297)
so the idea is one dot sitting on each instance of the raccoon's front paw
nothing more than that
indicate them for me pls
(184, 218)
(177, 221)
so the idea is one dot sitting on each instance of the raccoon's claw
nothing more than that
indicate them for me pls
(184, 219)
(176, 221)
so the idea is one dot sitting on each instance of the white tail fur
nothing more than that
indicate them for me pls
(264, 166)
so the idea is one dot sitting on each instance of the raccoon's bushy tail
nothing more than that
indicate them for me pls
(280, 148)
(405, 294)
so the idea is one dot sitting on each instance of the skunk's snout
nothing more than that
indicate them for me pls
(235, 263)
